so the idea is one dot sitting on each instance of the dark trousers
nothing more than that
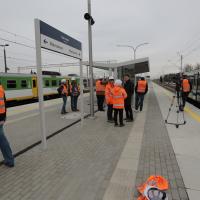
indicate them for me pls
(5, 148)
(120, 111)
(184, 98)
(74, 100)
(139, 101)
(100, 101)
(129, 112)
(64, 104)
(110, 111)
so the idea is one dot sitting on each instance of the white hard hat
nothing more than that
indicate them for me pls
(111, 78)
(153, 193)
(63, 81)
(73, 79)
(100, 77)
(118, 82)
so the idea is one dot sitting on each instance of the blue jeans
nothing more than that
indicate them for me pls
(64, 104)
(139, 101)
(74, 100)
(5, 148)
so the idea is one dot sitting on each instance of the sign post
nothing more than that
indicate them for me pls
(81, 87)
(47, 37)
(40, 83)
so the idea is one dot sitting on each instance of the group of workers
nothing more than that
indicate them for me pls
(69, 89)
(119, 96)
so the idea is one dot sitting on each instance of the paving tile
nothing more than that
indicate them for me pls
(157, 153)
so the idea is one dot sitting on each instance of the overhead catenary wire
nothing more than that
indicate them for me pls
(21, 59)
(16, 35)
(18, 43)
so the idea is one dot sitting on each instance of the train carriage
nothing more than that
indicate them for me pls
(20, 87)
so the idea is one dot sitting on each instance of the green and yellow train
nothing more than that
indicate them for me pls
(20, 87)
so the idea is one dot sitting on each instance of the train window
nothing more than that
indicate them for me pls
(34, 83)
(11, 84)
(23, 83)
(47, 83)
(54, 83)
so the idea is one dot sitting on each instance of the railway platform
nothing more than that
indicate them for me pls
(99, 161)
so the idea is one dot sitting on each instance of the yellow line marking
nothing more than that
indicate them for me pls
(192, 114)
(187, 109)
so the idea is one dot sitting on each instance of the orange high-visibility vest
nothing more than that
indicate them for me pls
(142, 84)
(100, 87)
(118, 96)
(108, 93)
(65, 90)
(186, 85)
(156, 181)
(2, 101)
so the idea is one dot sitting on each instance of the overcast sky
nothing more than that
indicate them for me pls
(168, 26)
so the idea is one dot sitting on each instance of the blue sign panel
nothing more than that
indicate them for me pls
(58, 41)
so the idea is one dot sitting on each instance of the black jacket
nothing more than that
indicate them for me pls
(129, 87)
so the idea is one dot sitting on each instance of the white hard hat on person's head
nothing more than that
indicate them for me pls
(153, 193)
(118, 82)
(100, 77)
(73, 79)
(111, 78)
(63, 81)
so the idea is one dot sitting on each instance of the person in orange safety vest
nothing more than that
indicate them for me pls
(109, 99)
(186, 87)
(100, 93)
(64, 93)
(141, 89)
(4, 144)
(118, 96)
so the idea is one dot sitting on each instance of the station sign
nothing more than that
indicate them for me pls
(57, 41)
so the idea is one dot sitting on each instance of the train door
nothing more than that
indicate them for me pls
(34, 87)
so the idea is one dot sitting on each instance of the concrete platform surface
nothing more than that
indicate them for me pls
(22, 127)
(185, 141)
(77, 165)
(99, 161)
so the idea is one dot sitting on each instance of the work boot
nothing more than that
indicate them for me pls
(121, 125)
(116, 125)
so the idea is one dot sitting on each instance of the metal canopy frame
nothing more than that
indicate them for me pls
(138, 65)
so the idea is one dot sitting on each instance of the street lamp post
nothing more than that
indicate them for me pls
(4, 51)
(134, 51)
(134, 48)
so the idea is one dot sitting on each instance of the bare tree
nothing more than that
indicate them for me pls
(197, 66)
(188, 68)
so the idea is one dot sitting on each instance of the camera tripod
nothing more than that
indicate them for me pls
(179, 109)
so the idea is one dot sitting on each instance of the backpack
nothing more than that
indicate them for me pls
(59, 89)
